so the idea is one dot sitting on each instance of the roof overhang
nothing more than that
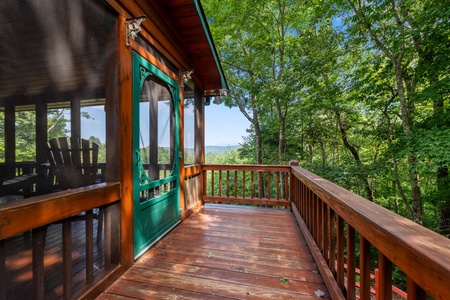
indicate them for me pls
(193, 31)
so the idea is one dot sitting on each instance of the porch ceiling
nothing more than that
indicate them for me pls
(193, 31)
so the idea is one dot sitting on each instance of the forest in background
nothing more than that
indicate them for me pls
(356, 91)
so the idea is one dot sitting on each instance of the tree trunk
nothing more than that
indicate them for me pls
(412, 159)
(397, 182)
(443, 184)
(258, 138)
(282, 141)
(355, 154)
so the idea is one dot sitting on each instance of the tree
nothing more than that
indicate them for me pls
(358, 91)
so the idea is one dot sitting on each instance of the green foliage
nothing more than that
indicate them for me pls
(25, 123)
(229, 157)
(359, 89)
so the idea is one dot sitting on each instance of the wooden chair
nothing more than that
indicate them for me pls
(73, 166)
(17, 178)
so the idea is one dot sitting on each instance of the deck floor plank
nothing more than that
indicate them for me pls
(225, 252)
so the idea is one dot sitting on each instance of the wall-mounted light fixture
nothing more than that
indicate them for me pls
(133, 27)
(186, 76)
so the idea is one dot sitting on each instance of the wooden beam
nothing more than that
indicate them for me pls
(125, 146)
(180, 108)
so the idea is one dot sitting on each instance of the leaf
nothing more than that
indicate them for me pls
(284, 280)
(319, 293)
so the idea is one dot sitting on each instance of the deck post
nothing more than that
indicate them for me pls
(292, 163)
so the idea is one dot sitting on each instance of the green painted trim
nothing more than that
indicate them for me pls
(141, 70)
(205, 25)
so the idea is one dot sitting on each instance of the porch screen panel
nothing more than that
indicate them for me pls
(156, 129)
(55, 57)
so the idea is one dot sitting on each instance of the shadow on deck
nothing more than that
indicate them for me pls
(225, 251)
(19, 262)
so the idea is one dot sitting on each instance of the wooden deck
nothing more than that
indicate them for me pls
(226, 252)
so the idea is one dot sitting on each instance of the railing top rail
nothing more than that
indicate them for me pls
(192, 170)
(421, 253)
(38, 211)
(254, 168)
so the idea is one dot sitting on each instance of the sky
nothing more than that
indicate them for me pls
(224, 126)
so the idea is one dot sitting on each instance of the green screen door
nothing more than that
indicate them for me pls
(155, 150)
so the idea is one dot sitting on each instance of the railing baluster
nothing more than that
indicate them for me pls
(414, 291)
(340, 253)
(364, 265)
(277, 185)
(260, 184)
(313, 215)
(244, 188)
(38, 241)
(252, 185)
(268, 185)
(67, 259)
(212, 183)
(351, 263)
(325, 229)
(294, 192)
(304, 203)
(235, 184)
(384, 291)
(317, 218)
(320, 225)
(228, 183)
(309, 208)
(204, 182)
(332, 241)
(90, 246)
(311, 211)
(220, 183)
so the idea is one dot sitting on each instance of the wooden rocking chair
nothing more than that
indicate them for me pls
(73, 166)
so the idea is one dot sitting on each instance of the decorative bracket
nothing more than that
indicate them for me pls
(133, 27)
(223, 92)
(186, 76)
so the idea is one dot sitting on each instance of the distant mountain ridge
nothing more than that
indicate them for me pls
(221, 149)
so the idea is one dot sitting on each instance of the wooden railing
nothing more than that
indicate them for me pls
(192, 186)
(246, 184)
(25, 237)
(334, 221)
(333, 218)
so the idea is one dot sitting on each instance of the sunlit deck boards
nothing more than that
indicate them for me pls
(226, 252)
